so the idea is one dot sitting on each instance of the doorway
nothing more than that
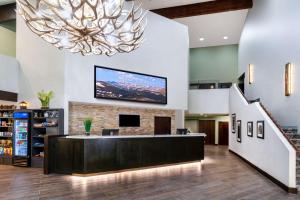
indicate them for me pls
(162, 125)
(208, 127)
(241, 83)
(223, 133)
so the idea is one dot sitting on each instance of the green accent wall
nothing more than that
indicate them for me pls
(218, 63)
(10, 25)
(7, 42)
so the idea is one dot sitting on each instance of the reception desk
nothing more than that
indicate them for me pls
(96, 154)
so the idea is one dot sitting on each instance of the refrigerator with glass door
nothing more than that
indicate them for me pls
(21, 139)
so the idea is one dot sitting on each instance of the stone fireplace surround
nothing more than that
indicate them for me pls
(107, 116)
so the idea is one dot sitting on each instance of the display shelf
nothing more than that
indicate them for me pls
(5, 156)
(44, 117)
(38, 146)
(6, 126)
(46, 127)
(41, 137)
(6, 137)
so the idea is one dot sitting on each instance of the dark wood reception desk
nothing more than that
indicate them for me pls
(95, 154)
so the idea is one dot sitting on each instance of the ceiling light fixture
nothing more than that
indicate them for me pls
(225, 37)
(201, 39)
(101, 27)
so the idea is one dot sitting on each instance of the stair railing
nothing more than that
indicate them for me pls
(271, 118)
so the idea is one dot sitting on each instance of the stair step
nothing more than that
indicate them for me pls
(292, 134)
(295, 139)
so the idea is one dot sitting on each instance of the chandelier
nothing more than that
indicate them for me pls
(101, 27)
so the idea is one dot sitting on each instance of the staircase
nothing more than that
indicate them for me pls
(292, 133)
(289, 133)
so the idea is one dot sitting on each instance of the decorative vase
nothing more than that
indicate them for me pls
(87, 126)
(87, 133)
(45, 98)
(45, 104)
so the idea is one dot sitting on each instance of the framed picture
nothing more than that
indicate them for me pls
(250, 129)
(260, 129)
(239, 130)
(124, 85)
(233, 123)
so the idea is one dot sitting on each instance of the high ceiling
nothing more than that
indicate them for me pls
(212, 27)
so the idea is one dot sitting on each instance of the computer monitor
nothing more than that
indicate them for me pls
(110, 132)
(182, 131)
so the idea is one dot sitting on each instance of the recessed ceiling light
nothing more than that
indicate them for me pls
(225, 37)
(201, 39)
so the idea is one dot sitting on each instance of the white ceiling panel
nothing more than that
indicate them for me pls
(214, 27)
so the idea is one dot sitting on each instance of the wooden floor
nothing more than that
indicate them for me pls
(220, 176)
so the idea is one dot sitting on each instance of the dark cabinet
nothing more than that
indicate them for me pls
(110, 154)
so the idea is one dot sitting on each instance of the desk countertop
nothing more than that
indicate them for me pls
(133, 136)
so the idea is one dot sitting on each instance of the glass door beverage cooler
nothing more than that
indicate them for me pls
(21, 139)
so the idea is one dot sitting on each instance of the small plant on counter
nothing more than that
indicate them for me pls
(45, 98)
(88, 125)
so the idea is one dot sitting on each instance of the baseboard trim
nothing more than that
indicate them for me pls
(274, 180)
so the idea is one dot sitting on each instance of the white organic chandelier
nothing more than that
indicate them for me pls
(101, 27)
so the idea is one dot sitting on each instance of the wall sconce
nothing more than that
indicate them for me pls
(288, 79)
(23, 105)
(250, 73)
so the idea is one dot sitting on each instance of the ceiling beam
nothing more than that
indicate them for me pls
(204, 8)
(8, 96)
(7, 12)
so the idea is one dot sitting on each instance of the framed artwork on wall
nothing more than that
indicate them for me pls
(260, 129)
(116, 84)
(250, 129)
(233, 123)
(239, 130)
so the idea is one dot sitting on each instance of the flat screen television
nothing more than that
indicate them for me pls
(129, 121)
(129, 86)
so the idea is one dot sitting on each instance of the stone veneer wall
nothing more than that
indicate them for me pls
(107, 116)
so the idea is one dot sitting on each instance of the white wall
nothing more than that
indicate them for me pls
(179, 118)
(192, 125)
(208, 101)
(71, 76)
(273, 154)
(9, 74)
(270, 39)
(41, 67)
(164, 53)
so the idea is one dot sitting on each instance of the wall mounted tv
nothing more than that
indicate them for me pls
(129, 120)
(129, 86)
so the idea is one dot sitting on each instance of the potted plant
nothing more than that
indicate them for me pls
(88, 125)
(45, 98)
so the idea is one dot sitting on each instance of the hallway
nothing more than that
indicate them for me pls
(221, 176)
